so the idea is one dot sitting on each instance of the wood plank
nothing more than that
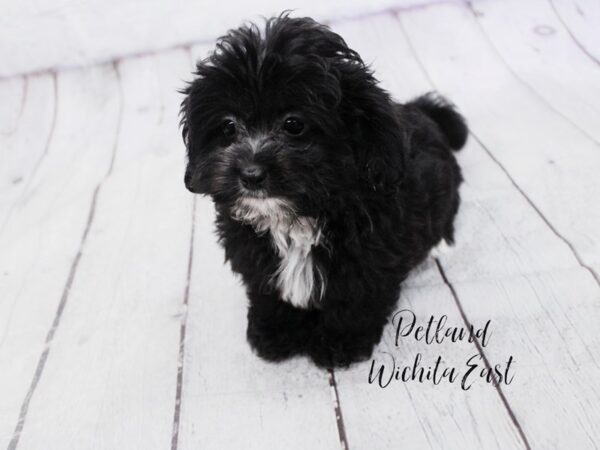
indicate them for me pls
(419, 415)
(42, 238)
(536, 47)
(65, 34)
(544, 316)
(110, 381)
(537, 140)
(232, 398)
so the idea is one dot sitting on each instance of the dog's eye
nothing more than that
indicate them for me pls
(293, 126)
(228, 128)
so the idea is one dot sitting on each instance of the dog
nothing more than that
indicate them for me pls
(327, 192)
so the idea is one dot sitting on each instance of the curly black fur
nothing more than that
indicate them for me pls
(378, 179)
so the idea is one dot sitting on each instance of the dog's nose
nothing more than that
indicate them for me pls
(253, 176)
(191, 181)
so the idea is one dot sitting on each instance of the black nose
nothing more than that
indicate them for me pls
(188, 179)
(253, 176)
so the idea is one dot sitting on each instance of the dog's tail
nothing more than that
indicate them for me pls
(443, 113)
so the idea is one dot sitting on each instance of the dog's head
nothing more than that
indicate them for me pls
(292, 116)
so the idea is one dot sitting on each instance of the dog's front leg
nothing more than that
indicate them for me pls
(276, 329)
(349, 328)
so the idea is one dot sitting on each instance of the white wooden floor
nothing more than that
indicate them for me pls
(120, 327)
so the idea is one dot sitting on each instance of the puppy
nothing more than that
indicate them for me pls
(327, 193)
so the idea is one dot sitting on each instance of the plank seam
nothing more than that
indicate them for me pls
(182, 335)
(580, 261)
(538, 211)
(570, 33)
(337, 407)
(526, 85)
(467, 323)
(14, 442)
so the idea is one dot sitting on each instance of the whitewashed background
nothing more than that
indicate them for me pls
(120, 327)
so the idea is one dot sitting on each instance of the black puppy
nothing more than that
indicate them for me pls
(327, 192)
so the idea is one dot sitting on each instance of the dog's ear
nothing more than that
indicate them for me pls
(376, 134)
(186, 112)
(234, 60)
(188, 131)
(197, 119)
(367, 111)
(195, 111)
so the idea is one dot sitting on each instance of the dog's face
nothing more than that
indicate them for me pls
(289, 117)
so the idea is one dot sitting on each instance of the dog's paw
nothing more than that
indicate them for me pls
(270, 344)
(341, 354)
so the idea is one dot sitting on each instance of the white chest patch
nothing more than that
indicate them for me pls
(296, 274)
(293, 238)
